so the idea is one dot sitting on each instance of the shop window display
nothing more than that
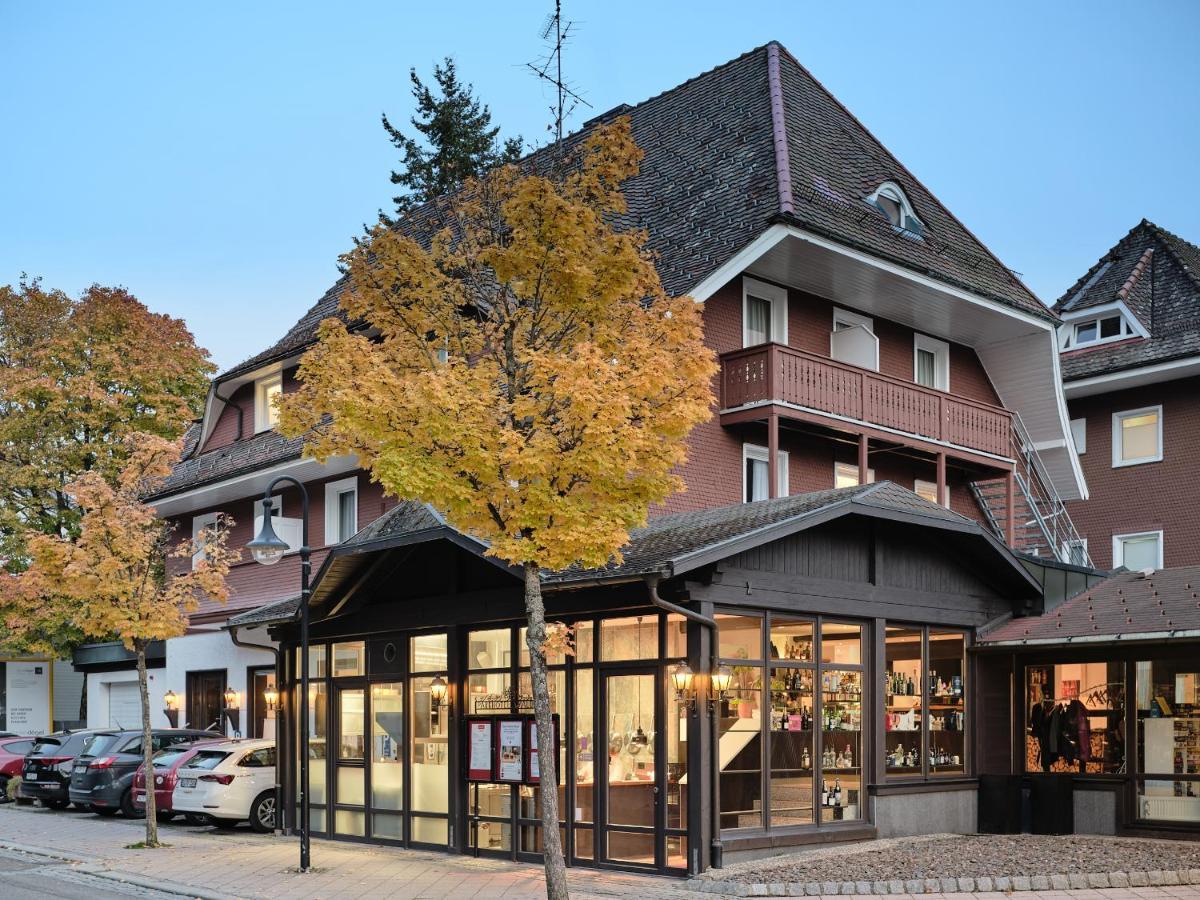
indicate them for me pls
(1075, 718)
(925, 702)
(1168, 725)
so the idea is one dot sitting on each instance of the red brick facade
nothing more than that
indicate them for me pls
(713, 472)
(241, 404)
(1147, 497)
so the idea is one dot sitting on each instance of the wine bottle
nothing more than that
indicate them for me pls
(824, 794)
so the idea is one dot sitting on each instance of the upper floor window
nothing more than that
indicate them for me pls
(931, 362)
(1079, 435)
(341, 510)
(1098, 330)
(1143, 550)
(764, 313)
(927, 490)
(755, 461)
(846, 475)
(1137, 436)
(266, 390)
(890, 200)
(202, 526)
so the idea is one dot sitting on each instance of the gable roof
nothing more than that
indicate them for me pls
(1126, 606)
(1156, 274)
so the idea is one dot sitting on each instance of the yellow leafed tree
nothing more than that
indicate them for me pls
(112, 580)
(524, 372)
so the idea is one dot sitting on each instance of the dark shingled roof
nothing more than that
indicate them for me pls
(1126, 606)
(1157, 275)
(260, 451)
(268, 614)
(708, 185)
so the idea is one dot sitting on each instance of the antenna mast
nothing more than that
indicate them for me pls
(557, 33)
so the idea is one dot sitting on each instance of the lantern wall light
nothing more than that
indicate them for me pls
(171, 708)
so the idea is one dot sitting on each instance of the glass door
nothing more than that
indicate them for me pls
(387, 760)
(631, 789)
(350, 778)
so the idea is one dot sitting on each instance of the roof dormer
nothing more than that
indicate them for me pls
(1098, 325)
(889, 198)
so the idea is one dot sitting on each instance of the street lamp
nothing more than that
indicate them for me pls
(268, 548)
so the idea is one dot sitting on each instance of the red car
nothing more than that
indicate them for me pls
(12, 756)
(166, 765)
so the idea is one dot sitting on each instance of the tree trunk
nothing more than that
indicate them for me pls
(535, 636)
(147, 747)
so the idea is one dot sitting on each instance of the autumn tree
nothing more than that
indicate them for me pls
(524, 372)
(112, 579)
(457, 141)
(77, 377)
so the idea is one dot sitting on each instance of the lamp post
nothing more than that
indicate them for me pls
(268, 548)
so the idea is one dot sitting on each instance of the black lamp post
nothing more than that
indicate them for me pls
(268, 548)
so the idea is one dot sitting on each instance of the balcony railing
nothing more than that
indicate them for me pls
(775, 373)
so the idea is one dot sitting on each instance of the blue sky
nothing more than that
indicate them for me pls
(216, 158)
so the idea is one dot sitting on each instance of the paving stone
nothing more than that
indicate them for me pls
(1118, 879)
(966, 885)
(863, 887)
(1079, 882)
(812, 889)
(983, 884)
(1003, 883)
(1098, 880)
(1170, 876)
(829, 887)
(1195, 875)
(1021, 883)
(847, 888)
(879, 887)
(895, 886)
(778, 889)
(1040, 883)
(914, 886)
(1156, 877)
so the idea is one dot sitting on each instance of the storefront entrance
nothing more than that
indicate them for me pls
(630, 791)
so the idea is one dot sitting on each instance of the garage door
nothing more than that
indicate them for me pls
(124, 705)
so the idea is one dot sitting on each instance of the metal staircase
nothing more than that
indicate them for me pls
(1042, 525)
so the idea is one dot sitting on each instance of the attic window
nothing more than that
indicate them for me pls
(1099, 330)
(890, 200)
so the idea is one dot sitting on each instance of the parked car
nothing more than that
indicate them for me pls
(229, 783)
(12, 759)
(102, 776)
(46, 773)
(166, 768)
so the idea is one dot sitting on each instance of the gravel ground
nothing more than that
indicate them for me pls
(970, 856)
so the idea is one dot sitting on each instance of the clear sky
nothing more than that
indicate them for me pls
(216, 158)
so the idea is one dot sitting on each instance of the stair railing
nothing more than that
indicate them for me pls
(1043, 500)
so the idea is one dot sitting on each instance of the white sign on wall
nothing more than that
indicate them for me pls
(27, 695)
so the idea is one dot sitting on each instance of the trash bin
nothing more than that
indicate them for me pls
(1052, 804)
(999, 804)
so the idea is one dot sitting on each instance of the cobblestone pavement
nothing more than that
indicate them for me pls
(216, 865)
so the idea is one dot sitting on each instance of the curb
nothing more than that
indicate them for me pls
(91, 865)
(1004, 883)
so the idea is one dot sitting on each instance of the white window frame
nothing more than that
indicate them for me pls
(1066, 549)
(1079, 435)
(941, 359)
(845, 466)
(1118, 548)
(756, 451)
(210, 520)
(333, 493)
(263, 413)
(1130, 325)
(896, 194)
(1117, 418)
(777, 297)
(918, 482)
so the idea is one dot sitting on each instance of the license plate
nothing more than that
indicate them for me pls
(32, 776)
(187, 782)
(141, 798)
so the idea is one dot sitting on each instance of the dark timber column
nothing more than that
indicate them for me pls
(941, 480)
(863, 465)
(773, 455)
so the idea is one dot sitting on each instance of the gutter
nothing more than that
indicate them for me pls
(1173, 634)
(280, 733)
(652, 581)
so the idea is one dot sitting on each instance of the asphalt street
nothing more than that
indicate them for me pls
(25, 877)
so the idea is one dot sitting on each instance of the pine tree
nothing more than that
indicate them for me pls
(460, 141)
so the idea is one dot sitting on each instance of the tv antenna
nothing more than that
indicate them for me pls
(556, 33)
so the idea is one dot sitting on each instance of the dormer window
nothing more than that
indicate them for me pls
(890, 200)
(1099, 330)
(266, 390)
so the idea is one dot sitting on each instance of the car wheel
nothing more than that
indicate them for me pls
(262, 813)
(56, 804)
(195, 819)
(129, 809)
(106, 811)
(4, 798)
(226, 823)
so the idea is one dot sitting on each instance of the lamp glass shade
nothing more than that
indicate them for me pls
(231, 698)
(271, 697)
(681, 679)
(171, 700)
(722, 679)
(267, 547)
(437, 689)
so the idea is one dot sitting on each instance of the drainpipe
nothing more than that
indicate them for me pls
(717, 852)
(280, 733)
(228, 401)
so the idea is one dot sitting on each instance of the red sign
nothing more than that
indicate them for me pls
(479, 749)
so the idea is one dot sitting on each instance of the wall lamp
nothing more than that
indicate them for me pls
(271, 698)
(171, 708)
(688, 690)
(233, 710)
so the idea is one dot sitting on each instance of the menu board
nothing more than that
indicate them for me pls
(533, 769)
(510, 751)
(479, 752)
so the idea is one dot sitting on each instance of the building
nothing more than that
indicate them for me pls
(1130, 344)
(888, 437)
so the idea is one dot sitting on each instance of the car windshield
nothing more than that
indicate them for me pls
(169, 756)
(45, 745)
(97, 744)
(207, 759)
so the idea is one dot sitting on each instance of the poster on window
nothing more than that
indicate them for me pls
(509, 753)
(534, 770)
(27, 697)
(479, 749)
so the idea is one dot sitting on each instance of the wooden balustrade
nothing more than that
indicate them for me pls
(775, 373)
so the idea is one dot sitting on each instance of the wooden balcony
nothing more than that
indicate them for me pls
(798, 384)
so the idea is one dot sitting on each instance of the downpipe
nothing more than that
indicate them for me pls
(717, 850)
(279, 732)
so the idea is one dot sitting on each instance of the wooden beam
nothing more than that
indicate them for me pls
(942, 498)
(863, 464)
(773, 455)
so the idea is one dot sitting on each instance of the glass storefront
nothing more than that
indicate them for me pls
(1168, 740)
(1075, 718)
(925, 691)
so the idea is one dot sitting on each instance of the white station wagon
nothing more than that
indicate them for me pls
(228, 783)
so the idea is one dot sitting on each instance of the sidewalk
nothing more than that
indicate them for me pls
(219, 865)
